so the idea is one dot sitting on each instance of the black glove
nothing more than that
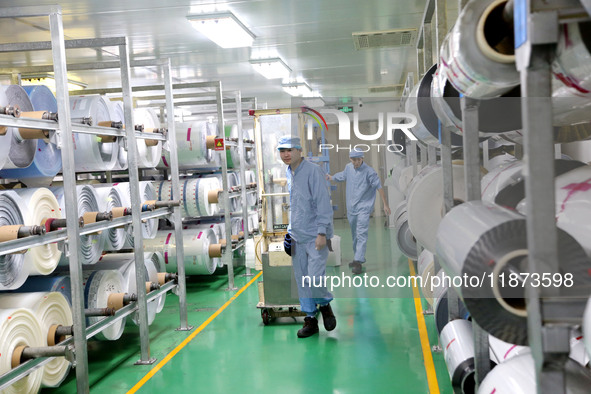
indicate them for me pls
(287, 244)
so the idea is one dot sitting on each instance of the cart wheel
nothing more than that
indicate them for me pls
(266, 316)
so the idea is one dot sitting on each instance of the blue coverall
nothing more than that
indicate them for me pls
(310, 215)
(362, 184)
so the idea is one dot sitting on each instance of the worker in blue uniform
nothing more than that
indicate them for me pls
(362, 183)
(309, 233)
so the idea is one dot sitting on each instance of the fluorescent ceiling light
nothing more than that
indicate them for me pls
(298, 89)
(49, 81)
(271, 68)
(223, 28)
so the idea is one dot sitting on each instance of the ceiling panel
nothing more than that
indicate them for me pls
(313, 37)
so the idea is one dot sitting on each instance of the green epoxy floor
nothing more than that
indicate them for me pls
(375, 347)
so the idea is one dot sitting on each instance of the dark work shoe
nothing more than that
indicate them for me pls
(330, 322)
(356, 267)
(310, 327)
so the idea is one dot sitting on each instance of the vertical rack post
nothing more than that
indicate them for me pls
(227, 255)
(134, 189)
(64, 137)
(238, 98)
(176, 215)
(472, 180)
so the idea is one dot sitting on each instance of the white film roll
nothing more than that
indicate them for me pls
(13, 271)
(40, 204)
(191, 146)
(249, 258)
(426, 270)
(147, 193)
(196, 244)
(587, 327)
(518, 376)
(21, 151)
(125, 264)
(251, 196)
(577, 349)
(51, 309)
(194, 195)
(425, 202)
(507, 173)
(480, 64)
(60, 284)
(98, 286)
(153, 263)
(488, 244)
(148, 156)
(457, 342)
(91, 245)
(573, 205)
(48, 159)
(109, 197)
(20, 327)
(419, 131)
(503, 351)
(404, 238)
(89, 153)
(118, 115)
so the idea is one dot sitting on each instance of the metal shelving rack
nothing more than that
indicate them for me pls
(219, 101)
(61, 134)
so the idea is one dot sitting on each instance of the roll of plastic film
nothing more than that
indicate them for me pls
(118, 115)
(147, 193)
(587, 327)
(153, 262)
(48, 159)
(148, 156)
(485, 242)
(253, 221)
(89, 153)
(13, 271)
(194, 195)
(98, 286)
(518, 376)
(91, 245)
(192, 146)
(22, 151)
(235, 200)
(503, 351)
(425, 202)
(571, 95)
(334, 257)
(109, 197)
(478, 54)
(249, 259)
(196, 250)
(404, 238)
(577, 348)
(426, 270)
(20, 327)
(420, 131)
(50, 309)
(499, 178)
(40, 204)
(125, 264)
(457, 342)
(251, 196)
(573, 205)
(59, 284)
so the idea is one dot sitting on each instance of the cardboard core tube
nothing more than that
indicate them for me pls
(51, 334)
(148, 287)
(33, 134)
(235, 237)
(115, 301)
(150, 202)
(215, 250)
(161, 278)
(89, 217)
(9, 233)
(150, 142)
(107, 138)
(213, 196)
(16, 356)
(210, 141)
(118, 212)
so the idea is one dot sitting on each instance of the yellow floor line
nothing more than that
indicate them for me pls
(189, 338)
(427, 356)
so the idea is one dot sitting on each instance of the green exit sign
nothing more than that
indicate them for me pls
(346, 109)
